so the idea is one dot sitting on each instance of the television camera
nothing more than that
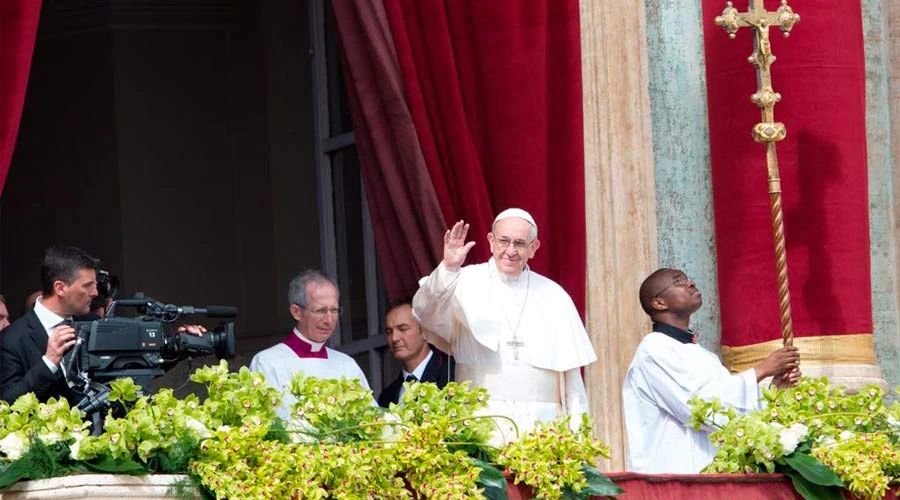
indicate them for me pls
(141, 347)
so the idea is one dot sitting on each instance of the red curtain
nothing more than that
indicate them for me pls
(820, 74)
(403, 205)
(18, 29)
(494, 90)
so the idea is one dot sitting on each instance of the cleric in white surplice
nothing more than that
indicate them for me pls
(314, 305)
(669, 369)
(511, 330)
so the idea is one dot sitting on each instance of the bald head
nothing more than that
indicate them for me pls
(652, 285)
(669, 296)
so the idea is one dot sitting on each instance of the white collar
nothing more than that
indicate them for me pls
(420, 370)
(316, 346)
(505, 278)
(48, 318)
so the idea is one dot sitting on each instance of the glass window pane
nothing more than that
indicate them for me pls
(351, 246)
(338, 102)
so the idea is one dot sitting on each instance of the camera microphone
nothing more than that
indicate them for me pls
(211, 311)
(134, 302)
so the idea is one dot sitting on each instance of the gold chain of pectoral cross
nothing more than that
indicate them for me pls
(768, 131)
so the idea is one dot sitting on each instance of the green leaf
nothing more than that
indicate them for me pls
(14, 473)
(568, 494)
(111, 465)
(812, 470)
(598, 484)
(492, 480)
(811, 491)
(39, 462)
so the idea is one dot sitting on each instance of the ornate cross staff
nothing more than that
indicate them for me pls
(768, 131)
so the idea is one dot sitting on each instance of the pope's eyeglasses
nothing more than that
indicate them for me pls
(519, 245)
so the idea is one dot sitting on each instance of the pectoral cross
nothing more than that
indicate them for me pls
(768, 131)
(515, 344)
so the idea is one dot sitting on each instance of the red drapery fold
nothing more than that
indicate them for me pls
(18, 29)
(494, 89)
(405, 214)
(820, 74)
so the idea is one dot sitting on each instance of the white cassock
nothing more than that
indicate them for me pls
(280, 363)
(664, 375)
(520, 338)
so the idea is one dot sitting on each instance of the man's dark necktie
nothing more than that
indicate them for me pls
(411, 378)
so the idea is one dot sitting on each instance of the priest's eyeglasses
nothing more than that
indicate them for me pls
(519, 245)
(680, 280)
(322, 311)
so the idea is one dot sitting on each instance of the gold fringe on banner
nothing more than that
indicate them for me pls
(852, 349)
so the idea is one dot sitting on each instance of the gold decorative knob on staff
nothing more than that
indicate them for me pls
(768, 131)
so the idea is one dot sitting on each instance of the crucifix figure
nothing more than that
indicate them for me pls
(768, 131)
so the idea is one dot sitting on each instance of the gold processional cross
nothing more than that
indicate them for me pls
(768, 131)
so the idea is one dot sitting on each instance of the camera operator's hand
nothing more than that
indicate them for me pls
(61, 339)
(195, 329)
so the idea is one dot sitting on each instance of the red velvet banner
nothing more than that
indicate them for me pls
(494, 89)
(820, 75)
(18, 28)
(696, 487)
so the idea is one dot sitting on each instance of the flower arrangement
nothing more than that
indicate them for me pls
(562, 470)
(821, 436)
(35, 437)
(335, 445)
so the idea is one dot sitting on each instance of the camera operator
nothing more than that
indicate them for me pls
(32, 348)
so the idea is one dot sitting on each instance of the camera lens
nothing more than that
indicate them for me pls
(222, 340)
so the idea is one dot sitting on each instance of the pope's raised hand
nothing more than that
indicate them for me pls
(455, 246)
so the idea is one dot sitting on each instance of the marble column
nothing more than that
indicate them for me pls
(881, 22)
(889, 358)
(684, 199)
(620, 203)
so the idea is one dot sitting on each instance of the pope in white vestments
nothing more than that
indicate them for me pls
(511, 330)
(314, 306)
(669, 369)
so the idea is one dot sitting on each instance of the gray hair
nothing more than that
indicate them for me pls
(297, 288)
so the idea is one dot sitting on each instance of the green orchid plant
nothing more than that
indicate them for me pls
(557, 463)
(822, 437)
(336, 444)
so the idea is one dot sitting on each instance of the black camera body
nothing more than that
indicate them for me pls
(114, 347)
(142, 347)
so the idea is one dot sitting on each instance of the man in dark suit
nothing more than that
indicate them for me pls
(32, 348)
(421, 361)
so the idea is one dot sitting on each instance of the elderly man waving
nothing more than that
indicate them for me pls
(511, 330)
